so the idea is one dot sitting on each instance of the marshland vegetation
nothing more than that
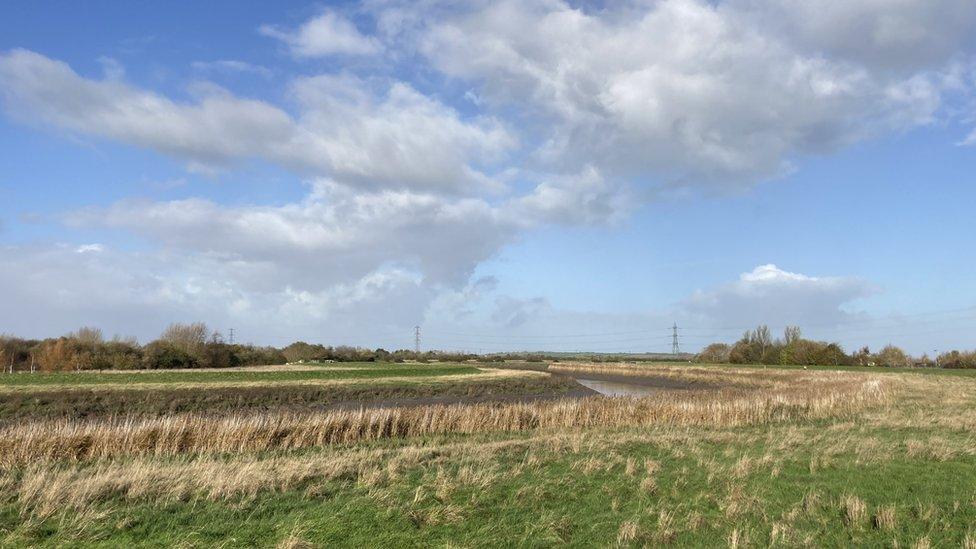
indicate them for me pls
(742, 456)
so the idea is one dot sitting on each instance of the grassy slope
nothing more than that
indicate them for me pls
(786, 484)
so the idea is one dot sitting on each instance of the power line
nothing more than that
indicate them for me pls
(966, 313)
(551, 336)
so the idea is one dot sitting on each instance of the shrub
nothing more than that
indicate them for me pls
(892, 357)
(957, 359)
(55, 355)
(716, 353)
(833, 355)
(165, 355)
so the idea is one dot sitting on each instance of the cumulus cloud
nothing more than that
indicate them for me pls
(333, 236)
(902, 36)
(688, 92)
(586, 198)
(326, 34)
(567, 112)
(821, 306)
(397, 135)
(215, 130)
(770, 295)
(54, 289)
(394, 137)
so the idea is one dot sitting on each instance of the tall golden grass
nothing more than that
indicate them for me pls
(31, 442)
(724, 376)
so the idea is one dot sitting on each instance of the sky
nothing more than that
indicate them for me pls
(510, 175)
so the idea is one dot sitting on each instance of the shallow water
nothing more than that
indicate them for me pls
(618, 388)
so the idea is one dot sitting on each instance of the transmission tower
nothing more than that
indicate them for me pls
(416, 338)
(674, 339)
(231, 336)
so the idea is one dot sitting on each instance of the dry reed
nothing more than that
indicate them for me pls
(32, 442)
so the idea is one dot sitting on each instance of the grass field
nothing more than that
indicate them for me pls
(353, 371)
(747, 457)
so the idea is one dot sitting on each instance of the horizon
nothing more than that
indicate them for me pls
(509, 176)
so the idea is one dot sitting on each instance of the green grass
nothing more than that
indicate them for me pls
(555, 501)
(190, 376)
(781, 484)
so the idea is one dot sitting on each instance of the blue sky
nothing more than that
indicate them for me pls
(508, 175)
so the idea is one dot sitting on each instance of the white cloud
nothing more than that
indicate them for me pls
(326, 34)
(770, 295)
(217, 129)
(687, 92)
(90, 248)
(50, 290)
(765, 295)
(901, 36)
(583, 199)
(395, 137)
(577, 108)
(334, 236)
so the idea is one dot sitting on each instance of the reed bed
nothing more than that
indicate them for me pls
(38, 441)
(709, 375)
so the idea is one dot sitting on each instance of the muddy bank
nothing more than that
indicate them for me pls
(76, 403)
(663, 383)
(572, 389)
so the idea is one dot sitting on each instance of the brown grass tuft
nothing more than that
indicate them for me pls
(629, 531)
(737, 538)
(854, 510)
(665, 528)
(884, 518)
(649, 485)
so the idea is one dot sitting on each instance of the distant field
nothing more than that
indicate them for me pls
(268, 389)
(351, 371)
(747, 457)
(865, 369)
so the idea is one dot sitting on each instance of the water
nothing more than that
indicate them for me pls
(617, 388)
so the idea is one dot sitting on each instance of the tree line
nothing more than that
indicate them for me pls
(759, 347)
(194, 345)
(314, 352)
(180, 346)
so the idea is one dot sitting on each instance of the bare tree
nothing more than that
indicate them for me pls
(131, 341)
(186, 337)
(87, 334)
(763, 338)
(791, 334)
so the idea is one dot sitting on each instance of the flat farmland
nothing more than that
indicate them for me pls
(717, 455)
